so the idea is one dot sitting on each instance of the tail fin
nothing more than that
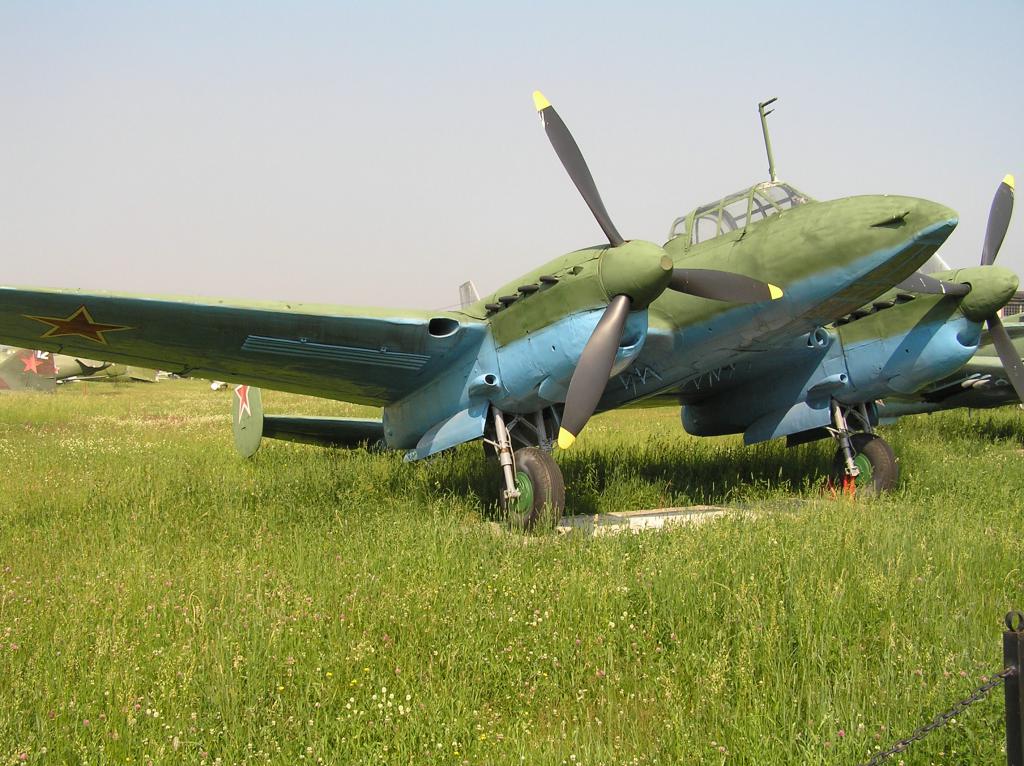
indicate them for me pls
(468, 294)
(247, 419)
(28, 370)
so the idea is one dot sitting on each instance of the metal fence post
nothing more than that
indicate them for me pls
(1013, 661)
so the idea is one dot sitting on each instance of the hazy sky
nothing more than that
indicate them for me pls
(382, 153)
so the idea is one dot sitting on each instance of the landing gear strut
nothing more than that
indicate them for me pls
(533, 491)
(864, 462)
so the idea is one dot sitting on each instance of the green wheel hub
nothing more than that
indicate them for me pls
(865, 476)
(523, 503)
(541, 491)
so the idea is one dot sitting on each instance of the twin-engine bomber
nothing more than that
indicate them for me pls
(730, 318)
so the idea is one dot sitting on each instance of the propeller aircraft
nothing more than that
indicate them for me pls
(749, 283)
(71, 369)
(51, 369)
(26, 370)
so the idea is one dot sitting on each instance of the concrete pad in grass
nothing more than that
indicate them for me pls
(635, 521)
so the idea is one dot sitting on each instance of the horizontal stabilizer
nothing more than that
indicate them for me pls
(326, 432)
(250, 425)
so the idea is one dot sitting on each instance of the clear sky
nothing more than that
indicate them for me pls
(382, 153)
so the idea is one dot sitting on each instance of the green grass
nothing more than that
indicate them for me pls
(162, 600)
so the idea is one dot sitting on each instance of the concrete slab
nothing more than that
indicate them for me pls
(636, 521)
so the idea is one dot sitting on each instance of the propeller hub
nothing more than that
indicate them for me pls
(992, 287)
(639, 269)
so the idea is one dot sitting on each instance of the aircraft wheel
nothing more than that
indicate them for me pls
(874, 457)
(542, 498)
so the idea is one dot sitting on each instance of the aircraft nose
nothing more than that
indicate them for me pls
(931, 222)
(894, 235)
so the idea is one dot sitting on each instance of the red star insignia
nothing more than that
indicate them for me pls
(31, 362)
(80, 323)
(242, 392)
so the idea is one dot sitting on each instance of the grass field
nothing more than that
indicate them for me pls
(163, 601)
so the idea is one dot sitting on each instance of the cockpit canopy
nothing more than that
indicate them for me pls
(737, 211)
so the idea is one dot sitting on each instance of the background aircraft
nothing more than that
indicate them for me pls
(70, 369)
(23, 369)
(534, 359)
(66, 369)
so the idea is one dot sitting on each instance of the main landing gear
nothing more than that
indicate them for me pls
(864, 462)
(533, 491)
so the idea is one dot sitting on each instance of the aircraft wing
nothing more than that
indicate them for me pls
(361, 355)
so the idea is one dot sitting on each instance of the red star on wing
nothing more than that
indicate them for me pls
(31, 362)
(242, 392)
(79, 323)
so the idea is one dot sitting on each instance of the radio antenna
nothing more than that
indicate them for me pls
(764, 129)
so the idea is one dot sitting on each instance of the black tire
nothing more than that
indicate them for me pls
(540, 479)
(873, 453)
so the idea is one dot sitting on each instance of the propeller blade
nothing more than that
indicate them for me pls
(722, 286)
(998, 221)
(572, 160)
(922, 283)
(1008, 354)
(591, 374)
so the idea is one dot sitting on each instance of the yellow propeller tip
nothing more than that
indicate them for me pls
(1008, 180)
(539, 102)
(775, 292)
(565, 439)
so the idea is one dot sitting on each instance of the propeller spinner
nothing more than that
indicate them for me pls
(639, 278)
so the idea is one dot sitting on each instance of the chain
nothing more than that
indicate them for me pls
(943, 718)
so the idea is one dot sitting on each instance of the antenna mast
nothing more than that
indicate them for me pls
(764, 129)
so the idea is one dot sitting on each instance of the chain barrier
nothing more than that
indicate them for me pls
(943, 718)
